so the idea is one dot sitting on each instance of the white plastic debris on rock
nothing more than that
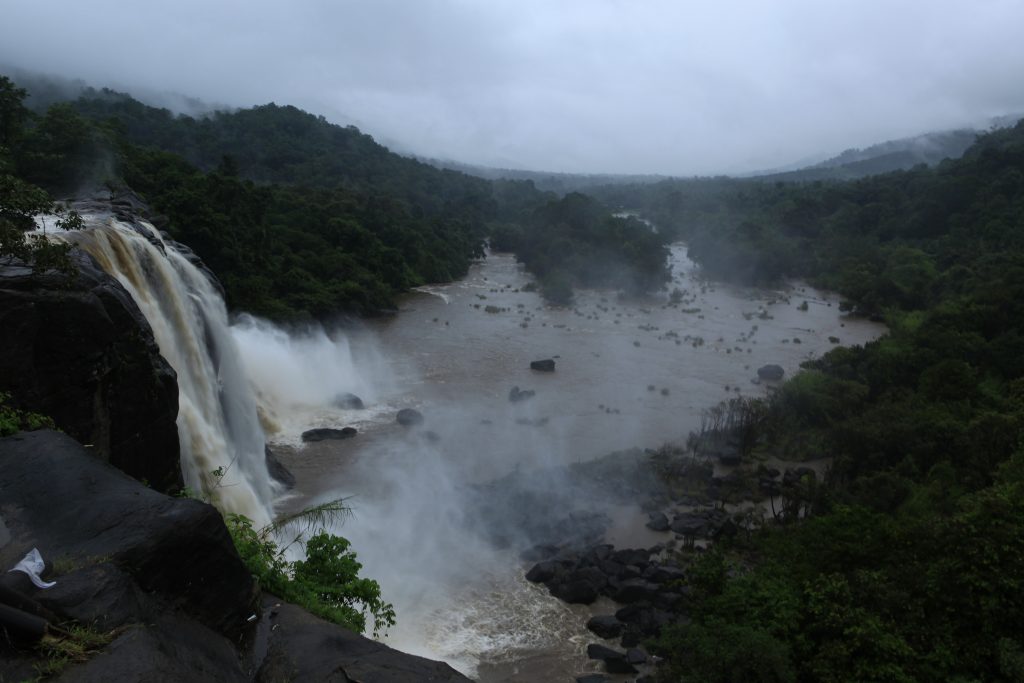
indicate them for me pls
(32, 564)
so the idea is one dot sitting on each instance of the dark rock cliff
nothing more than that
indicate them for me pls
(164, 573)
(81, 352)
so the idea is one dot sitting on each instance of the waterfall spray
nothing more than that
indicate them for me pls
(222, 443)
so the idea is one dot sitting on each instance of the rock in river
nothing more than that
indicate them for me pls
(547, 365)
(347, 401)
(771, 373)
(325, 433)
(517, 394)
(407, 417)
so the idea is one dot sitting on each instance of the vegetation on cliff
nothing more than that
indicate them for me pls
(14, 419)
(326, 582)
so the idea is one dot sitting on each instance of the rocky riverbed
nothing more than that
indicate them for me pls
(494, 467)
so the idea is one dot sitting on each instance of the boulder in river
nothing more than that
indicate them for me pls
(516, 394)
(546, 365)
(578, 591)
(347, 401)
(658, 522)
(278, 471)
(614, 661)
(326, 433)
(605, 626)
(635, 590)
(771, 373)
(542, 572)
(408, 417)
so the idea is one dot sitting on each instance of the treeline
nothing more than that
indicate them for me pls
(574, 242)
(881, 240)
(302, 218)
(909, 566)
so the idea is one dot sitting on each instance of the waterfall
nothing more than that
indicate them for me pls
(222, 443)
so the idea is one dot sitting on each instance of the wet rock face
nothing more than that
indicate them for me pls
(81, 352)
(301, 647)
(164, 572)
(131, 552)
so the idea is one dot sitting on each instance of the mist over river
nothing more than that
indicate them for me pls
(628, 374)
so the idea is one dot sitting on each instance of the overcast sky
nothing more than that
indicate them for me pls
(631, 86)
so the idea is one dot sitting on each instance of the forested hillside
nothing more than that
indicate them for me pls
(300, 217)
(909, 565)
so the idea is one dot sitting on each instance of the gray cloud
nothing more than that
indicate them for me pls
(576, 85)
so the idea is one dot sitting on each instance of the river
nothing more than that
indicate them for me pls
(628, 374)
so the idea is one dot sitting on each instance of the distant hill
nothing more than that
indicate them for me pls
(548, 181)
(893, 155)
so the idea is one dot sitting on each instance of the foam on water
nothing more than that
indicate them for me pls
(298, 374)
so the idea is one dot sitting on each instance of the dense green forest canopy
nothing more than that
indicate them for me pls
(574, 242)
(910, 566)
(302, 218)
(906, 563)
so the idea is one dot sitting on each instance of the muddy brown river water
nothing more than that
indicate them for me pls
(628, 374)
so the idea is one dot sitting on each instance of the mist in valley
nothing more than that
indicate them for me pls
(463, 466)
(582, 87)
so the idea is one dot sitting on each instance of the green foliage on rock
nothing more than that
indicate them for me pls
(326, 582)
(13, 419)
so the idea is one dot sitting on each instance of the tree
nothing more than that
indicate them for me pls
(13, 113)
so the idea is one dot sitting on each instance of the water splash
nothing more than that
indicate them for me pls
(217, 421)
(299, 375)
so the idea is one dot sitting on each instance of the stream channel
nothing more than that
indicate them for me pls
(629, 374)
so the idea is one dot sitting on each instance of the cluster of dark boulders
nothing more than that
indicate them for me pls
(709, 523)
(649, 587)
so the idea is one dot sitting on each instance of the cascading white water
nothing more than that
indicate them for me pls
(222, 442)
(298, 376)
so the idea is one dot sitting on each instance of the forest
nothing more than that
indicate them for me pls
(902, 564)
(300, 218)
(905, 562)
